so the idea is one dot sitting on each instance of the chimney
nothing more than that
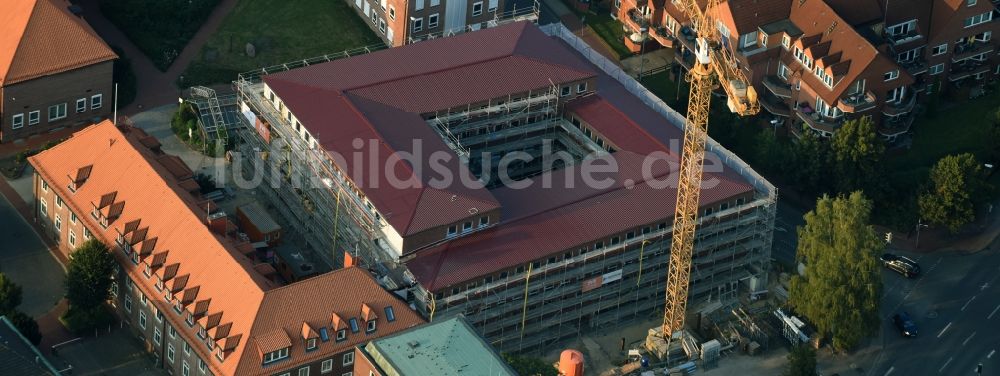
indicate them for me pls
(348, 260)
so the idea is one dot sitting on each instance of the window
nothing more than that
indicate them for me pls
(477, 8)
(72, 217)
(326, 366)
(599, 245)
(72, 238)
(341, 335)
(81, 105)
(894, 95)
(467, 226)
(59, 202)
(432, 21)
(901, 29)
(202, 365)
(581, 87)
(390, 315)
(786, 41)
(891, 75)
(142, 298)
(984, 36)
(354, 325)
(311, 344)
(970, 2)
(128, 303)
(936, 69)
(381, 25)
(371, 326)
(939, 49)
(420, 5)
(484, 221)
(275, 355)
(187, 349)
(171, 331)
(170, 352)
(748, 39)
(142, 319)
(34, 117)
(723, 29)
(18, 121)
(452, 230)
(304, 371)
(57, 112)
(418, 24)
(783, 71)
(43, 207)
(979, 19)
(156, 336)
(96, 101)
(185, 370)
(58, 222)
(348, 358)
(566, 90)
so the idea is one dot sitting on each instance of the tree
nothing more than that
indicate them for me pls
(801, 361)
(88, 276)
(527, 366)
(812, 163)
(857, 154)
(26, 325)
(842, 285)
(957, 185)
(10, 295)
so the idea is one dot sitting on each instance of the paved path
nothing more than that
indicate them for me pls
(155, 87)
(559, 11)
(26, 259)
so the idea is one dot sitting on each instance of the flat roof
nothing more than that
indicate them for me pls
(443, 348)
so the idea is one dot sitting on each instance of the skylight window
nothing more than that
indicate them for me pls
(390, 315)
(354, 325)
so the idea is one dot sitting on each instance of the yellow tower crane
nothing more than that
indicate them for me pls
(714, 62)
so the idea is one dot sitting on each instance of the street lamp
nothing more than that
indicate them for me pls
(919, 225)
(643, 31)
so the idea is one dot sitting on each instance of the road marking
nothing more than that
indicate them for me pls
(945, 365)
(994, 312)
(889, 371)
(967, 303)
(944, 330)
(991, 354)
(984, 286)
(967, 339)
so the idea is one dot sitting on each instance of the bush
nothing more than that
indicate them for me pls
(27, 326)
(82, 321)
(160, 28)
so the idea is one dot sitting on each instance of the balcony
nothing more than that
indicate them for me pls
(966, 69)
(857, 102)
(901, 39)
(963, 51)
(914, 67)
(685, 58)
(821, 124)
(774, 105)
(893, 127)
(901, 108)
(778, 87)
(635, 20)
(662, 35)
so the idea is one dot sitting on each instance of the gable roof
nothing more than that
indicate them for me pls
(748, 15)
(41, 37)
(381, 98)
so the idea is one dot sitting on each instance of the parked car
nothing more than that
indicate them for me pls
(901, 264)
(905, 324)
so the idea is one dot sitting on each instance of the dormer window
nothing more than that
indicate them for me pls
(310, 344)
(201, 332)
(159, 284)
(371, 326)
(452, 230)
(341, 335)
(147, 271)
(270, 357)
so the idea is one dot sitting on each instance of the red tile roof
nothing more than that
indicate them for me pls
(748, 15)
(41, 37)
(385, 106)
(239, 307)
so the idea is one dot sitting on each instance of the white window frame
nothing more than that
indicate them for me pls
(970, 3)
(170, 352)
(417, 24)
(326, 366)
(749, 39)
(304, 371)
(58, 222)
(348, 359)
(581, 87)
(901, 28)
(478, 4)
(185, 369)
(940, 49)
(71, 238)
(96, 101)
(786, 41)
(17, 121)
(156, 335)
(936, 69)
(81, 105)
(59, 114)
(142, 319)
(392, 13)
(34, 117)
(370, 326)
(492, 8)
(128, 303)
(565, 91)
(435, 3)
(979, 19)
(432, 21)
(893, 74)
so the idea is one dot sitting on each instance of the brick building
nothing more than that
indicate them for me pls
(593, 256)
(818, 63)
(55, 71)
(400, 22)
(197, 302)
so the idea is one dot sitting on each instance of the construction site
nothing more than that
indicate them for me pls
(528, 267)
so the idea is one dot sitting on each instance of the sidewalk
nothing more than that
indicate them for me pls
(155, 88)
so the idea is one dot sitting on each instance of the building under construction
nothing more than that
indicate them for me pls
(513, 174)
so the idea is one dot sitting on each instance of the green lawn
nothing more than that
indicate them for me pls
(280, 32)
(611, 31)
(962, 128)
(159, 28)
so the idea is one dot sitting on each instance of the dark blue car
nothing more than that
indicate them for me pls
(905, 324)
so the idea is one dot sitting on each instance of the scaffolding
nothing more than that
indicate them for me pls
(216, 114)
(510, 16)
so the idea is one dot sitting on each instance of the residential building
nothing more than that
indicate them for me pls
(400, 22)
(818, 63)
(191, 295)
(447, 347)
(587, 255)
(18, 356)
(55, 72)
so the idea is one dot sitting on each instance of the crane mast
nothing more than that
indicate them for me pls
(713, 63)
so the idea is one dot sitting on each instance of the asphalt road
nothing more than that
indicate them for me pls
(27, 261)
(956, 306)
